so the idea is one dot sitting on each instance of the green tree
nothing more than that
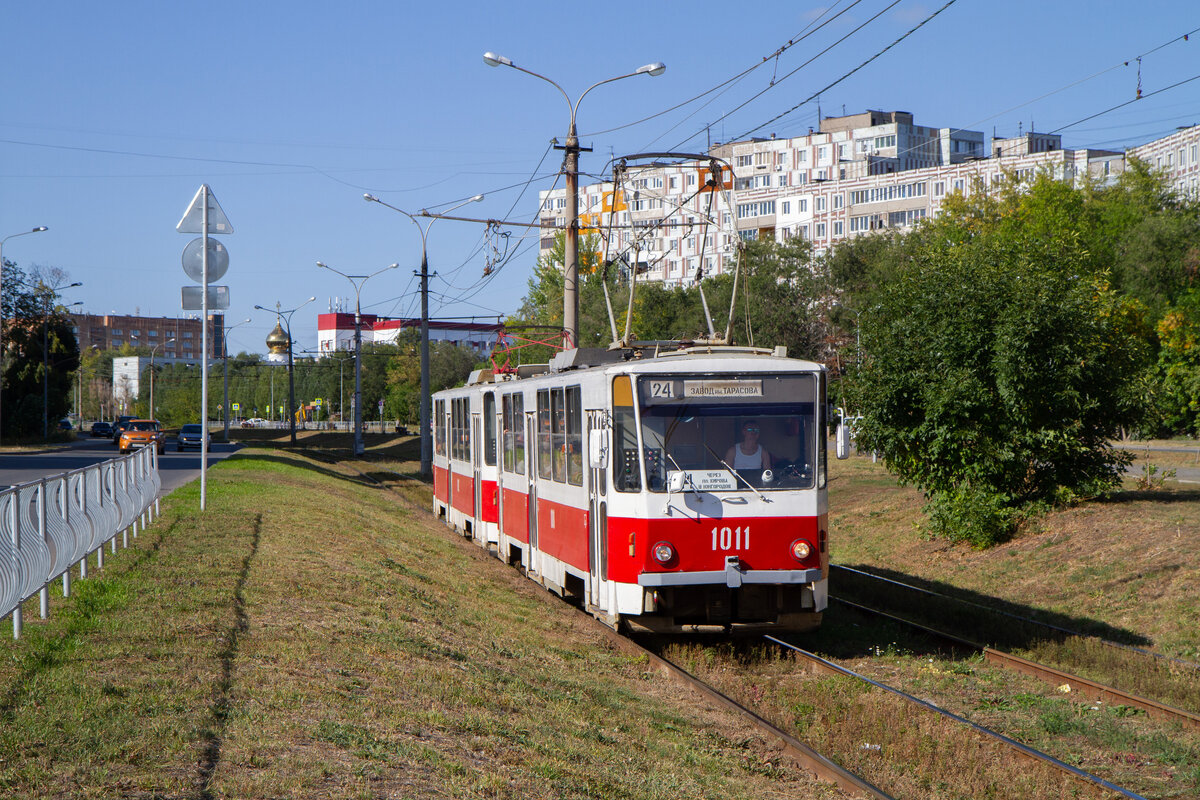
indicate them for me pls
(1178, 401)
(999, 363)
(41, 353)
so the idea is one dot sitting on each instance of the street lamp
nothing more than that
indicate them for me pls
(571, 166)
(426, 435)
(152, 351)
(225, 361)
(38, 229)
(357, 282)
(286, 318)
(47, 292)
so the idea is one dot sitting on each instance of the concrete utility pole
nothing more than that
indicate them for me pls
(571, 168)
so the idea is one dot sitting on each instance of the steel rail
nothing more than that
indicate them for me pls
(822, 767)
(1056, 677)
(1025, 750)
(1050, 626)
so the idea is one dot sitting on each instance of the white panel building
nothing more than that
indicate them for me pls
(859, 173)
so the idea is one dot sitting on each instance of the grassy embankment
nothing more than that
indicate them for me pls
(312, 636)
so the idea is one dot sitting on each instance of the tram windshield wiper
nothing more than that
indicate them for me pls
(738, 475)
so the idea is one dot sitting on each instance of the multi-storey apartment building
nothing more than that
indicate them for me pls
(1178, 157)
(107, 331)
(859, 173)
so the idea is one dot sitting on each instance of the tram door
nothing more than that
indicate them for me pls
(531, 452)
(597, 505)
(476, 478)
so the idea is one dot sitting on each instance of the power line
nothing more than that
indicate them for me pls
(1127, 102)
(821, 91)
(801, 36)
(752, 98)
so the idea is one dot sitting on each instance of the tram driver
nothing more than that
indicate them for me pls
(749, 454)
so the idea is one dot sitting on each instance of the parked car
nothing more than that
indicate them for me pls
(102, 429)
(119, 428)
(142, 433)
(190, 436)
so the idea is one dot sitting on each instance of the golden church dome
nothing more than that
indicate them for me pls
(277, 341)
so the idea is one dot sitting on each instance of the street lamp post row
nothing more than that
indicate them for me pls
(286, 318)
(426, 432)
(357, 282)
(38, 229)
(571, 167)
(225, 361)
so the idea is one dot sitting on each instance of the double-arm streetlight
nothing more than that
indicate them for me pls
(426, 433)
(153, 350)
(571, 167)
(357, 282)
(47, 292)
(38, 229)
(225, 360)
(286, 318)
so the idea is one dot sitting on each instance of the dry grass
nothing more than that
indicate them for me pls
(309, 636)
(1122, 568)
(1124, 565)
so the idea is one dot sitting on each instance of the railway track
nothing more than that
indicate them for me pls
(1163, 687)
(820, 664)
(1056, 630)
(1094, 690)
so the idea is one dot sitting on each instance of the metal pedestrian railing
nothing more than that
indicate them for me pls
(50, 525)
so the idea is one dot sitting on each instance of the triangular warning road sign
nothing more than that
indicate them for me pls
(193, 218)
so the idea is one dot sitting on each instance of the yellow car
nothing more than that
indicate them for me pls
(141, 433)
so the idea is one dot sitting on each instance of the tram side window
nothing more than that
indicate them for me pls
(574, 450)
(489, 429)
(439, 427)
(454, 437)
(626, 469)
(543, 433)
(465, 416)
(558, 434)
(511, 419)
(460, 429)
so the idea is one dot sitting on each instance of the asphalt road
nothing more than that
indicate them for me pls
(174, 468)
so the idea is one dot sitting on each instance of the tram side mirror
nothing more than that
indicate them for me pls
(843, 440)
(598, 450)
(676, 482)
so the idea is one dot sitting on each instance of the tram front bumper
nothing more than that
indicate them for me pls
(733, 576)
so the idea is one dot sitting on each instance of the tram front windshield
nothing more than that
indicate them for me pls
(761, 427)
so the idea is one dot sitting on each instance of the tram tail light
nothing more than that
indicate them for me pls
(663, 552)
(801, 549)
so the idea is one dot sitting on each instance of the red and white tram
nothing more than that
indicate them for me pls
(608, 477)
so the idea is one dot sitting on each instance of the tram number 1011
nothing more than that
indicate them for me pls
(730, 538)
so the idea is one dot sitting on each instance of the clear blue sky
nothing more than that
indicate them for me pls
(112, 116)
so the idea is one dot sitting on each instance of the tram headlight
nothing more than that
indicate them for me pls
(663, 552)
(801, 549)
